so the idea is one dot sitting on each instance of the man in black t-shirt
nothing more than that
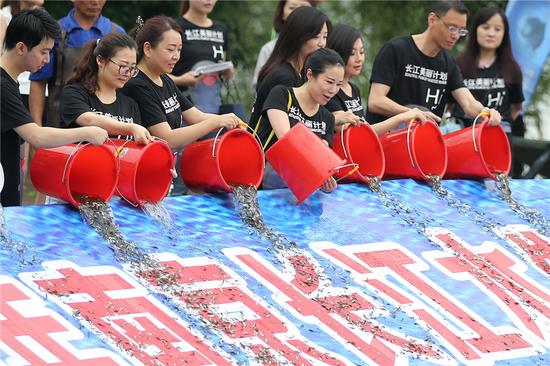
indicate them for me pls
(27, 45)
(418, 69)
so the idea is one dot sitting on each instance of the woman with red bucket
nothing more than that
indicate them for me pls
(347, 105)
(489, 69)
(165, 112)
(91, 97)
(287, 106)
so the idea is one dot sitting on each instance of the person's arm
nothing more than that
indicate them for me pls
(193, 116)
(515, 110)
(178, 138)
(392, 122)
(279, 122)
(472, 107)
(46, 137)
(114, 127)
(187, 79)
(37, 100)
(380, 103)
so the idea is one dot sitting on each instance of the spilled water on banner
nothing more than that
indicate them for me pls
(248, 208)
(410, 216)
(531, 215)
(464, 209)
(99, 215)
(23, 252)
(481, 266)
(160, 214)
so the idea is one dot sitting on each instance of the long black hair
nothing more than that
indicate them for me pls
(468, 60)
(342, 39)
(86, 68)
(301, 25)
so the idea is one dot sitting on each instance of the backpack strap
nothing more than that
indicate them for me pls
(272, 133)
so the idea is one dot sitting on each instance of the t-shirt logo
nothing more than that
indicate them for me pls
(204, 35)
(353, 105)
(425, 74)
(319, 127)
(171, 104)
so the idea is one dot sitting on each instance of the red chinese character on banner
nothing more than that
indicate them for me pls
(220, 298)
(375, 264)
(347, 315)
(131, 319)
(32, 334)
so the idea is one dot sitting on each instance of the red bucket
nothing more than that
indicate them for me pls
(303, 161)
(144, 170)
(359, 145)
(415, 152)
(478, 152)
(72, 171)
(216, 164)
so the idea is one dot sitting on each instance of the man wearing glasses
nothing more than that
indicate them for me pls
(418, 70)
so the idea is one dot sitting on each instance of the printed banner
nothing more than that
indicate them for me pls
(356, 284)
(529, 22)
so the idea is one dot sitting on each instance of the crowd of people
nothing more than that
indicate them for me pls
(103, 82)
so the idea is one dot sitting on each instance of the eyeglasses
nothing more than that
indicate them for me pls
(453, 29)
(125, 70)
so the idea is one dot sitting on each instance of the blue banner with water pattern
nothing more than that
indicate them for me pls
(355, 278)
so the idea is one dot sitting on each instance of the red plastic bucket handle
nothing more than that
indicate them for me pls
(481, 114)
(79, 146)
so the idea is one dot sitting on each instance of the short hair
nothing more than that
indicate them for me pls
(31, 26)
(441, 7)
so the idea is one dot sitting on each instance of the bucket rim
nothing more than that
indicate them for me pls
(434, 127)
(70, 163)
(482, 128)
(379, 147)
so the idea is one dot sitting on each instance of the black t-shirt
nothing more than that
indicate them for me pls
(200, 44)
(284, 75)
(13, 114)
(343, 102)
(75, 100)
(491, 90)
(413, 77)
(321, 123)
(157, 104)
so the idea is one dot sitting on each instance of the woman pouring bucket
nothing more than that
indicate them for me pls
(108, 64)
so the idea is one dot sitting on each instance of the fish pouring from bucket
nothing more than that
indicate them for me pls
(531, 215)
(22, 251)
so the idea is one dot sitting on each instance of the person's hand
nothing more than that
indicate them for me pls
(417, 115)
(174, 173)
(141, 134)
(228, 74)
(229, 121)
(494, 117)
(342, 118)
(329, 185)
(190, 79)
(95, 135)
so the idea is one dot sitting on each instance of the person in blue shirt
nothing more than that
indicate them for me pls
(82, 24)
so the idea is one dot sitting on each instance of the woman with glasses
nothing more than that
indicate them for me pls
(91, 97)
(419, 70)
